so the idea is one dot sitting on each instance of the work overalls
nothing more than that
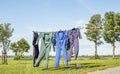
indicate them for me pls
(73, 36)
(60, 41)
(46, 39)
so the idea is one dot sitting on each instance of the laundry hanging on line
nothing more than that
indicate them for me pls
(58, 38)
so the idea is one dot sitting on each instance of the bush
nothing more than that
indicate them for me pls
(95, 57)
(17, 57)
(26, 58)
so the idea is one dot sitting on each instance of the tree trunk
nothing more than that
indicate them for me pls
(4, 53)
(21, 54)
(4, 57)
(96, 49)
(15, 53)
(113, 45)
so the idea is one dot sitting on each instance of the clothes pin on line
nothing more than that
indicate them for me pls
(80, 27)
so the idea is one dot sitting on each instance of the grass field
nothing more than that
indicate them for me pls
(25, 66)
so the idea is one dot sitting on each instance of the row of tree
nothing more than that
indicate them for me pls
(107, 28)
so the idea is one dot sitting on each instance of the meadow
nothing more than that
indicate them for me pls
(25, 66)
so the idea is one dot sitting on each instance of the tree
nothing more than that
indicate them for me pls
(5, 34)
(93, 30)
(14, 48)
(111, 31)
(23, 46)
(19, 48)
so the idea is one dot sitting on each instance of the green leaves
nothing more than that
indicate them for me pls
(111, 27)
(5, 34)
(20, 47)
(15, 48)
(93, 29)
(23, 45)
(5, 31)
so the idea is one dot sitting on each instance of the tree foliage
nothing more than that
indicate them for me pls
(14, 48)
(23, 46)
(20, 47)
(5, 31)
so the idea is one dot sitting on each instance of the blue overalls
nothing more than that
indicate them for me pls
(60, 41)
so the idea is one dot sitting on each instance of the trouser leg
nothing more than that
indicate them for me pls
(47, 56)
(57, 57)
(33, 61)
(40, 57)
(34, 55)
(76, 55)
(76, 50)
(65, 56)
(69, 54)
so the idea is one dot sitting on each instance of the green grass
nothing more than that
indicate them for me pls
(25, 66)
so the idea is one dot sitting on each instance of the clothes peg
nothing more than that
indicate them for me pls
(80, 27)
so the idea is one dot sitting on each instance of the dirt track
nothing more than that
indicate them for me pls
(115, 70)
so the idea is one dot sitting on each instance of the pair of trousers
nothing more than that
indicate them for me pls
(58, 55)
(35, 53)
(75, 46)
(44, 52)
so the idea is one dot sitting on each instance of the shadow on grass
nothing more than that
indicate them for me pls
(24, 63)
(91, 65)
(73, 66)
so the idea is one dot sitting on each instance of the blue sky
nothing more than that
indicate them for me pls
(53, 15)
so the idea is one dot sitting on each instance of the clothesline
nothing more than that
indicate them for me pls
(56, 31)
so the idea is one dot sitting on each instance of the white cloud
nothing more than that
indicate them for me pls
(80, 22)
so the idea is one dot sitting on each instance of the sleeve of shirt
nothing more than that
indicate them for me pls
(79, 33)
(54, 41)
(34, 41)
